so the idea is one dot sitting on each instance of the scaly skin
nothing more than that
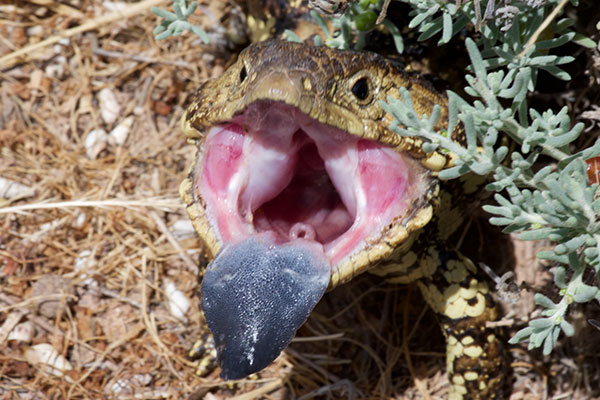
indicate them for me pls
(318, 81)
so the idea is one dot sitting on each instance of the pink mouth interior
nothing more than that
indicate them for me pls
(273, 170)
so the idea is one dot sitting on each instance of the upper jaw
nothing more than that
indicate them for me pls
(298, 88)
(319, 81)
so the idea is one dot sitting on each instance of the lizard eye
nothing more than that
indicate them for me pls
(363, 86)
(360, 89)
(243, 74)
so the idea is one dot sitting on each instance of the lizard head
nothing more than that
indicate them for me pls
(299, 184)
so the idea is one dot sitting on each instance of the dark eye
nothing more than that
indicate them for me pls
(243, 74)
(361, 89)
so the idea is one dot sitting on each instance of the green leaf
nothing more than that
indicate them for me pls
(537, 338)
(418, 19)
(365, 21)
(430, 28)
(556, 72)
(446, 29)
(200, 33)
(554, 42)
(396, 35)
(585, 293)
(521, 335)
(567, 328)
(544, 301)
(584, 41)
(321, 22)
(541, 323)
(550, 341)
(169, 16)
(560, 277)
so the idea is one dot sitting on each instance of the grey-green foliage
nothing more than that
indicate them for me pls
(555, 202)
(176, 23)
(351, 28)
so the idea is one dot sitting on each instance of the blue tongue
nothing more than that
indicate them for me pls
(255, 296)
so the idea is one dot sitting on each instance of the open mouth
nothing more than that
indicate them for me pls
(274, 171)
(292, 202)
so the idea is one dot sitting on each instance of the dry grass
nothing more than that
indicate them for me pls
(91, 237)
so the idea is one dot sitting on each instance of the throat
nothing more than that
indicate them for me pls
(309, 207)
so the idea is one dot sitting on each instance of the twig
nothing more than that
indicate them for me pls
(59, 8)
(499, 324)
(36, 299)
(150, 323)
(125, 299)
(258, 393)
(29, 52)
(39, 321)
(418, 383)
(131, 333)
(304, 339)
(192, 267)
(383, 12)
(9, 324)
(328, 374)
(31, 115)
(135, 57)
(160, 202)
(542, 27)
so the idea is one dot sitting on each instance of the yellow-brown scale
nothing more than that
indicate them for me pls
(456, 292)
